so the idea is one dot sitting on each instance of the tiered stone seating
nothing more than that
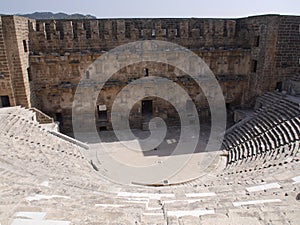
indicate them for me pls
(272, 131)
(35, 143)
(42, 173)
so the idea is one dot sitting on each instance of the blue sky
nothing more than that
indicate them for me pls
(155, 8)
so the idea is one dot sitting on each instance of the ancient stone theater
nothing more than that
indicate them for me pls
(54, 170)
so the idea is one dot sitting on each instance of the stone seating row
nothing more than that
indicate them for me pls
(28, 144)
(29, 131)
(282, 133)
(273, 130)
(260, 123)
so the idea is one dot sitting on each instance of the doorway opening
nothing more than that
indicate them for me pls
(59, 118)
(102, 117)
(278, 86)
(147, 108)
(4, 101)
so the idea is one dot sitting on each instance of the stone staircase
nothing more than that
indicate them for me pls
(41, 117)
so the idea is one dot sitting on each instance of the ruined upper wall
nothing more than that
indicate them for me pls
(101, 35)
(97, 35)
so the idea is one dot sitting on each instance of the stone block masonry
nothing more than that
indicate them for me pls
(15, 35)
(43, 60)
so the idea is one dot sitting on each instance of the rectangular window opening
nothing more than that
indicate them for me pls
(101, 29)
(153, 33)
(257, 40)
(127, 30)
(29, 74)
(254, 66)
(87, 28)
(37, 27)
(25, 46)
(74, 26)
(114, 30)
(225, 29)
(146, 72)
(47, 29)
(60, 29)
(141, 33)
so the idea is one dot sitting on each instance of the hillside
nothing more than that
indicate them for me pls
(50, 15)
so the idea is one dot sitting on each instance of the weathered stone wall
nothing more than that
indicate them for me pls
(55, 79)
(249, 57)
(288, 48)
(275, 49)
(56, 92)
(16, 44)
(102, 35)
(66, 48)
(6, 88)
(262, 34)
